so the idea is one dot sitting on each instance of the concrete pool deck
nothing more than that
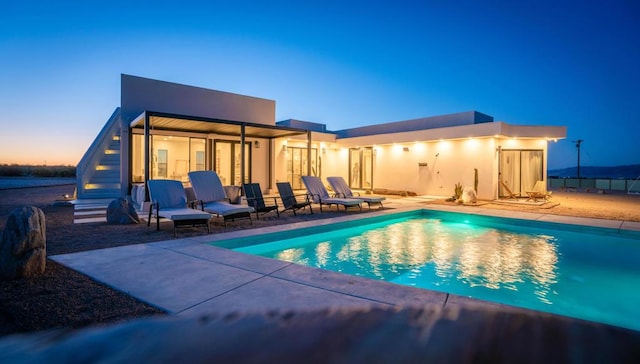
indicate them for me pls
(188, 277)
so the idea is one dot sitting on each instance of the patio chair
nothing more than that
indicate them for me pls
(289, 199)
(506, 188)
(211, 197)
(168, 200)
(320, 195)
(341, 189)
(538, 191)
(253, 193)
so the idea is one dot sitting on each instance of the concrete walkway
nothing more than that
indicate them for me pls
(190, 277)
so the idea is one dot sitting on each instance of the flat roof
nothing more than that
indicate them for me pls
(187, 123)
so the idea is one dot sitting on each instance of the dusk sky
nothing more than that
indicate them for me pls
(341, 63)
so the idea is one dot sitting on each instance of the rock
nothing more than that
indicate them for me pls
(23, 248)
(121, 212)
(425, 334)
(469, 195)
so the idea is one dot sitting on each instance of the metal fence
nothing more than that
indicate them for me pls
(595, 184)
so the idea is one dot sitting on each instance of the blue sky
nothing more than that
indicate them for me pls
(342, 63)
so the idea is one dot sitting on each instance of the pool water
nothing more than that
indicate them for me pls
(592, 276)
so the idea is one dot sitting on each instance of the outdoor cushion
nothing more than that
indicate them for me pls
(207, 186)
(226, 209)
(340, 187)
(167, 193)
(183, 214)
(320, 195)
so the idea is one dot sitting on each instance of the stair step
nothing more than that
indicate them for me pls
(108, 167)
(100, 186)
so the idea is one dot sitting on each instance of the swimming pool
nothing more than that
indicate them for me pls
(581, 272)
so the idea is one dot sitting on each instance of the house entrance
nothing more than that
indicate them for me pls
(227, 157)
(297, 165)
(519, 170)
(361, 168)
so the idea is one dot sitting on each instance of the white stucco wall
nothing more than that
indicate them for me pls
(140, 94)
(433, 168)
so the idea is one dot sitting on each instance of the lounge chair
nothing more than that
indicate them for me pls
(341, 189)
(538, 191)
(168, 200)
(289, 199)
(253, 193)
(211, 197)
(320, 195)
(506, 188)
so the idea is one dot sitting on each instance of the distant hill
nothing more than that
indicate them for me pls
(627, 172)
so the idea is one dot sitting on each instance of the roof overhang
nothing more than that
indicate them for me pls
(484, 130)
(194, 124)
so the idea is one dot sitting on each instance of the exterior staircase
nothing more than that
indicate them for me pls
(105, 179)
(98, 173)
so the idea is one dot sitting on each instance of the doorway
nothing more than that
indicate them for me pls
(519, 170)
(227, 157)
(297, 165)
(361, 168)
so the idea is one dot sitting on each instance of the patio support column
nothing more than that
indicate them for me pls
(270, 163)
(308, 152)
(147, 154)
(242, 166)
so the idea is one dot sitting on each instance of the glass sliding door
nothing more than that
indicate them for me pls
(227, 162)
(361, 168)
(297, 165)
(162, 159)
(197, 154)
(520, 170)
(531, 168)
(173, 157)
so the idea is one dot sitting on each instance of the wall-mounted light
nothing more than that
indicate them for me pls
(284, 148)
(406, 149)
(257, 144)
(324, 150)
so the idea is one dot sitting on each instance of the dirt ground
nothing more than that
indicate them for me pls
(593, 205)
(64, 298)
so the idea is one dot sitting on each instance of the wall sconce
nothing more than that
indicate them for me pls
(257, 144)
(284, 148)
(437, 155)
(324, 150)
(406, 149)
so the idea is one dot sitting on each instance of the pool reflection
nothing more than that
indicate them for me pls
(431, 253)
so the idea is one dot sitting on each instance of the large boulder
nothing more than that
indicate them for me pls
(426, 334)
(23, 245)
(121, 212)
(469, 195)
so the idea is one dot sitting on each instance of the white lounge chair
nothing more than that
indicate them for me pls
(320, 195)
(210, 194)
(341, 189)
(169, 200)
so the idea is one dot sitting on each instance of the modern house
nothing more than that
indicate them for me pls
(165, 130)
